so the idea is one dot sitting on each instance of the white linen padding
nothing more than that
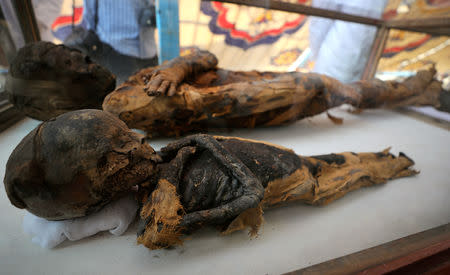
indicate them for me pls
(115, 217)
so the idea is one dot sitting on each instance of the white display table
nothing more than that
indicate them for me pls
(293, 236)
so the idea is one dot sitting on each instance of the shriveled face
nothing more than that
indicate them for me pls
(76, 163)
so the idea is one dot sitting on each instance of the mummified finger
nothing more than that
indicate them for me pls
(169, 75)
(206, 185)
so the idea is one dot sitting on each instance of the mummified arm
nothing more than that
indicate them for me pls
(166, 78)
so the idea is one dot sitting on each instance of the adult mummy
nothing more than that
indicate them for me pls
(190, 94)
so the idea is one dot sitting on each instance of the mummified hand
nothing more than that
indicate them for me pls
(73, 165)
(164, 80)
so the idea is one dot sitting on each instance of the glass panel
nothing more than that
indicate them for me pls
(119, 35)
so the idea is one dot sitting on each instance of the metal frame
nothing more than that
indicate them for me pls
(9, 115)
(27, 20)
(388, 257)
(426, 252)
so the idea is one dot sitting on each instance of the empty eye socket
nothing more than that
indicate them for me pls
(102, 162)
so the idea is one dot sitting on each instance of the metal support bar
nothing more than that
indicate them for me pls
(27, 20)
(396, 256)
(436, 22)
(436, 25)
(375, 53)
(8, 113)
(303, 9)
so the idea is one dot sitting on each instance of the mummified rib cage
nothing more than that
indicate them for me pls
(190, 94)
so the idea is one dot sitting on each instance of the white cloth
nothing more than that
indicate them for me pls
(115, 217)
(340, 49)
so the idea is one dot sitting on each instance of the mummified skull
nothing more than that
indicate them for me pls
(46, 80)
(74, 164)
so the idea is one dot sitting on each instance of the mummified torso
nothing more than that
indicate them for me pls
(204, 183)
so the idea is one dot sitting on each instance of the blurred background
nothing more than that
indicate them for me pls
(251, 38)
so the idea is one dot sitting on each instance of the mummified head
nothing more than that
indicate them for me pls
(76, 163)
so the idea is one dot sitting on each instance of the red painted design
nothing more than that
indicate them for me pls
(408, 46)
(63, 21)
(223, 23)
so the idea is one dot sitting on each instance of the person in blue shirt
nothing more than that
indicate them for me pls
(127, 25)
(125, 29)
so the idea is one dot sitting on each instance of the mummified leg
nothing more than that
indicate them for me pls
(326, 178)
(337, 174)
(358, 170)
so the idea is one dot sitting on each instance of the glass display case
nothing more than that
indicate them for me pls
(212, 128)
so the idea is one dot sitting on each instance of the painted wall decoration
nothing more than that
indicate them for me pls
(62, 26)
(246, 27)
(412, 51)
(286, 57)
(399, 42)
(250, 38)
(71, 15)
(242, 37)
